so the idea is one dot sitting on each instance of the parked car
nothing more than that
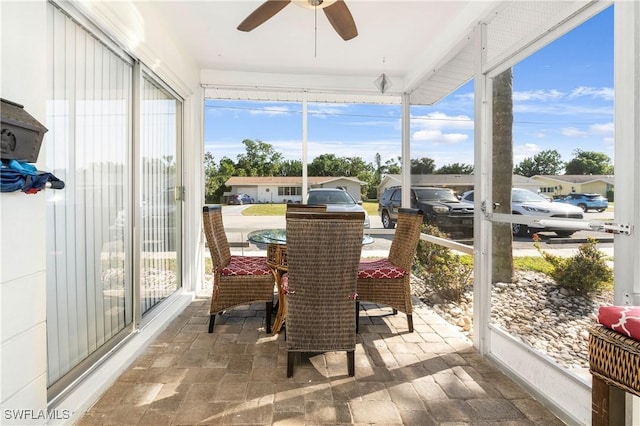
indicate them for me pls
(586, 201)
(240, 199)
(529, 203)
(337, 200)
(441, 208)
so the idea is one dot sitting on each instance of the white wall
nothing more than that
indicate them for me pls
(23, 229)
(23, 232)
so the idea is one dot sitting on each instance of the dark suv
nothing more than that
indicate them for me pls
(441, 208)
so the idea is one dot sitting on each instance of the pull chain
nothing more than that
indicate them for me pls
(315, 31)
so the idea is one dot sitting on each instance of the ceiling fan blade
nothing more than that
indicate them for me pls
(262, 14)
(340, 18)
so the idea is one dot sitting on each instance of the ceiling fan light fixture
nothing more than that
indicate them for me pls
(383, 83)
(314, 4)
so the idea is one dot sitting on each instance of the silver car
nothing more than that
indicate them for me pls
(336, 200)
(529, 203)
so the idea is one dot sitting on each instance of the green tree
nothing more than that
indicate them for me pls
(260, 159)
(589, 163)
(392, 166)
(291, 168)
(422, 166)
(455, 169)
(357, 167)
(215, 175)
(547, 162)
(210, 177)
(330, 165)
(327, 165)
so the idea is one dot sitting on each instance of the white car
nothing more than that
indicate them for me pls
(529, 203)
(336, 200)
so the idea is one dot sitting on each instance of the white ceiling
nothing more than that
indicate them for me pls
(423, 46)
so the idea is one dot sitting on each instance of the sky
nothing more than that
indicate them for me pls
(562, 97)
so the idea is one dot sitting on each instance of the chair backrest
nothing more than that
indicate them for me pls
(306, 207)
(407, 235)
(216, 237)
(323, 252)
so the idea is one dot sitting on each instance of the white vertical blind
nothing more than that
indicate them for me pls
(89, 122)
(160, 214)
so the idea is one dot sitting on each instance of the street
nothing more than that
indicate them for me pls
(239, 226)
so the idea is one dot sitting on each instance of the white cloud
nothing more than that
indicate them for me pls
(605, 129)
(573, 132)
(440, 120)
(271, 110)
(538, 95)
(594, 92)
(527, 150)
(438, 137)
(609, 142)
(320, 110)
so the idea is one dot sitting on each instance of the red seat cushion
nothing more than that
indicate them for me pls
(247, 265)
(380, 269)
(623, 319)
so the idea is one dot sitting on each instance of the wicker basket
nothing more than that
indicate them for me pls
(615, 358)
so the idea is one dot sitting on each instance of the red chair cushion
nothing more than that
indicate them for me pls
(623, 319)
(247, 265)
(380, 269)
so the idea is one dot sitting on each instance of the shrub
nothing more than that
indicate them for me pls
(444, 272)
(584, 272)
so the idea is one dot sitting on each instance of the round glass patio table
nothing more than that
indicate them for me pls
(279, 236)
(276, 241)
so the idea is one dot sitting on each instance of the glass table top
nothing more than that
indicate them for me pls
(279, 236)
(268, 236)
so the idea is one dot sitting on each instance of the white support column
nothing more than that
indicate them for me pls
(482, 167)
(627, 158)
(305, 178)
(406, 150)
(627, 150)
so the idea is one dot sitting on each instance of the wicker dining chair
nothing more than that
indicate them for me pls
(292, 207)
(237, 280)
(323, 251)
(388, 281)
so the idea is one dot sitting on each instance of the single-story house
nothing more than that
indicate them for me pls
(459, 183)
(288, 189)
(566, 184)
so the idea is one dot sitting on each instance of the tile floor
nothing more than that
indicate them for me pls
(237, 376)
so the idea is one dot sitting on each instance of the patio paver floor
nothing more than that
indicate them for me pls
(237, 376)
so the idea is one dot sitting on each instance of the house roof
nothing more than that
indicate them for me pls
(577, 179)
(453, 180)
(424, 48)
(285, 180)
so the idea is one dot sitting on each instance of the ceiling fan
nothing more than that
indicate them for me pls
(336, 11)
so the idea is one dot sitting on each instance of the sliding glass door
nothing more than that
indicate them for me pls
(115, 143)
(160, 113)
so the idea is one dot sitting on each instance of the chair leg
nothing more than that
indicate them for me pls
(410, 322)
(357, 316)
(212, 319)
(290, 359)
(268, 316)
(351, 363)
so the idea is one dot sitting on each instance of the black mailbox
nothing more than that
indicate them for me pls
(21, 133)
